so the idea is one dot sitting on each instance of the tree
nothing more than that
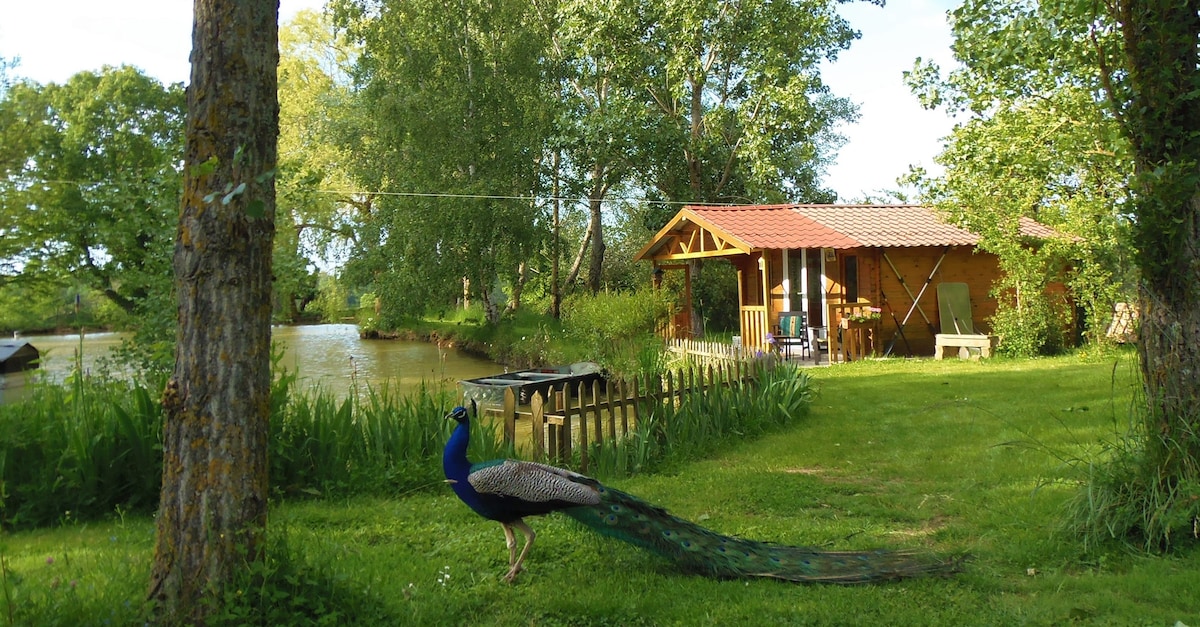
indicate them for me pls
(739, 112)
(313, 212)
(695, 102)
(735, 109)
(1158, 105)
(91, 179)
(453, 146)
(213, 508)
(1039, 141)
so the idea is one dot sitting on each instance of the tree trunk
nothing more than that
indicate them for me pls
(1162, 120)
(213, 508)
(555, 288)
(595, 204)
(573, 273)
(518, 286)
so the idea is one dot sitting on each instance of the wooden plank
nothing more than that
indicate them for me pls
(583, 432)
(538, 426)
(565, 440)
(622, 390)
(510, 418)
(636, 398)
(609, 404)
(596, 411)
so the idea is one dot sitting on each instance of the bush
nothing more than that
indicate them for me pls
(617, 329)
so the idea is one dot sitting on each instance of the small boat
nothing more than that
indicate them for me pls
(490, 390)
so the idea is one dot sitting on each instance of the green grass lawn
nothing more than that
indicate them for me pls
(952, 457)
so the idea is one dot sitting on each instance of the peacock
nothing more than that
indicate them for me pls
(507, 491)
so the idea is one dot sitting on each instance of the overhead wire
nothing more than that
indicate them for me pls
(448, 195)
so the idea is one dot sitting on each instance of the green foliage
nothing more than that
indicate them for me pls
(1038, 142)
(703, 423)
(1124, 498)
(1029, 318)
(616, 329)
(78, 451)
(332, 300)
(715, 297)
(99, 160)
(376, 442)
(83, 450)
(699, 424)
(458, 122)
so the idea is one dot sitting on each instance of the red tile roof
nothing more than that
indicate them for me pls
(763, 226)
(749, 227)
(843, 226)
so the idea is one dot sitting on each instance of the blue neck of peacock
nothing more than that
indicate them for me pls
(454, 459)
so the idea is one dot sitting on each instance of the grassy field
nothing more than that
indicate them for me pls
(952, 457)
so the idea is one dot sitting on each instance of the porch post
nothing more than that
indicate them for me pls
(766, 293)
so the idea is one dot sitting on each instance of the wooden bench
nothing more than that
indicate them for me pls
(985, 343)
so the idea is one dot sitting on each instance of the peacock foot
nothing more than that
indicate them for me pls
(512, 573)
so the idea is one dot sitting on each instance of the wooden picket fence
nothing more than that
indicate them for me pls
(708, 351)
(575, 417)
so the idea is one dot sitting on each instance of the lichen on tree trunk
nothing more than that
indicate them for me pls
(213, 508)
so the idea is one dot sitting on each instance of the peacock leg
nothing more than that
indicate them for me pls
(529, 536)
(511, 541)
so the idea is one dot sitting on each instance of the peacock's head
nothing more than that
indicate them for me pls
(458, 414)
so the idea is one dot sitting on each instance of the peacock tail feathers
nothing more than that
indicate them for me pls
(701, 551)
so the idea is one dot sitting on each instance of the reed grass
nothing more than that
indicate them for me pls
(82, 450)
(92, 447)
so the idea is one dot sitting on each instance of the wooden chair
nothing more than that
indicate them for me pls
(793, 331)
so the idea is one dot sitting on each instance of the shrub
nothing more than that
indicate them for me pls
(617, 329)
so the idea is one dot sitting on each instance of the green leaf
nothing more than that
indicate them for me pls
(207, 167)
(233, 193)
(256, 208)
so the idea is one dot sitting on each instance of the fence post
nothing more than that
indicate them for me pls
(564, 437)
(538, 426)
(622, 389)
(510, 418)
(583, 435)
(636, 399)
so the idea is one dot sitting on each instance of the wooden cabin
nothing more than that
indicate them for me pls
(836, 263)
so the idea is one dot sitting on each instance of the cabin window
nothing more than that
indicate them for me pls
(850, 277)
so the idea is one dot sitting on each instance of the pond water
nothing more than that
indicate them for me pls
(327, 355)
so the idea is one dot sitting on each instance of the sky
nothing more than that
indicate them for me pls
(54, 39)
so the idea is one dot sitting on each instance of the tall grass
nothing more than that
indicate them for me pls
(93, 447)
(78, 451)
(698, 424)
(376, 442)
